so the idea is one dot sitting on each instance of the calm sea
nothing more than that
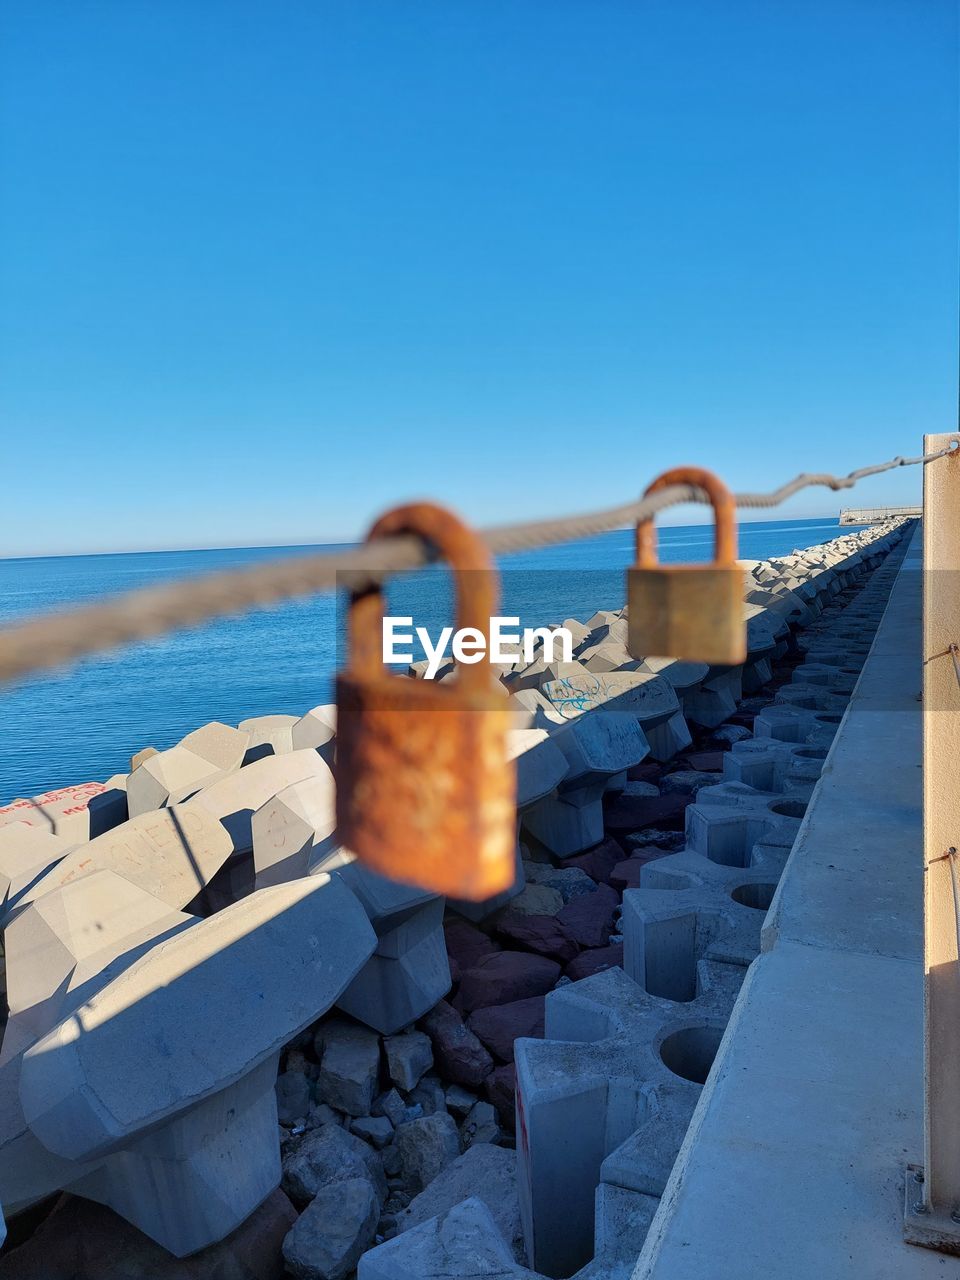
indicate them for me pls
(85, 722)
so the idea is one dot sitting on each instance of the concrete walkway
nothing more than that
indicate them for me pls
(793, 1163)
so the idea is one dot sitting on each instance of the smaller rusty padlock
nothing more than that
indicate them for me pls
(689, 611)
(425, 792)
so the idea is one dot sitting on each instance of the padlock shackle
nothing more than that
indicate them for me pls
(476, 583)
(724, 510)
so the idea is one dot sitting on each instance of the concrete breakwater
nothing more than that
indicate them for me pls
(175, 935)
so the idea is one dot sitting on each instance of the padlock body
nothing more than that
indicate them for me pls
(693, 612)
(425, 793)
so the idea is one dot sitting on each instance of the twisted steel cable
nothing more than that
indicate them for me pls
(51, 639)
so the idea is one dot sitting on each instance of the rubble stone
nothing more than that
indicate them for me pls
(349, 1066)
(408, 1057)
(327, 1156)
(485, 1171)
(506, 976)
(499, 1025)
(589, 919)
(326, 1241)
(426, 1147)
(458, 1053)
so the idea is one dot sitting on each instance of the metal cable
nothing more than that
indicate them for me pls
(48, 640)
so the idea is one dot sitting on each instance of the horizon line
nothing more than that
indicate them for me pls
(336, 542)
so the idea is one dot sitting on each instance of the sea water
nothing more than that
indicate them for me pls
(85, 721)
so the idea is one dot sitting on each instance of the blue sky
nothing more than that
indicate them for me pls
(267, 269)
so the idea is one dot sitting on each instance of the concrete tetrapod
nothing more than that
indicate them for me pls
(541, 766)
(409, 970)
(64, 811)
(195, 761)
(768, 764)
(234, 799)
(170, 853)
(596, 747)
(169, 1069)
(317, 730)
(730, 821)
(26, 855)
(71, 942)
(295, 830)
(607, 1097)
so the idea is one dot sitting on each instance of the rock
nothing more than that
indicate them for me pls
(484, 1171)
(705, 761)
(543, 935)
(498, 1026)
(686, 782)
(293, 1097)
(466, 944)
(429, 1096)
(590, 919)
(426, 1147)
(649, 771)
(459, 1100)
(408, 1057)
(391, 1105)
(629, 814)
(507, 976)
(333, 1231)
(635, 788)
(626, 874)
(320, 1113)
(501, 1086)
(594, 961)
(329, 1155)
(83, 1240)
(480, 1126)
(536, 900)
(569, 881)
(459, 1055)
(349, 1066)
(392, 1163)
(377, 1130)
(664, 841)
(464, 1241)
(598, 862)
(731, 733)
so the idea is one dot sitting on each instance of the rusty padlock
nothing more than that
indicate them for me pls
(425, 793)
(689, 611)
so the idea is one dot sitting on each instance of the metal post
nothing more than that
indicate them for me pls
(933, 1192)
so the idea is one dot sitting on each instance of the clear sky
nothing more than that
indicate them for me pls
(268, 268)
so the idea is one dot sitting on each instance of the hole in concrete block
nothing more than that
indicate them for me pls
(670, 957)
(810, 753)
(758, 896)
(825, 719)
(789, 808)
(690, 1053)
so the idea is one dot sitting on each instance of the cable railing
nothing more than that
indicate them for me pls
(48, 640)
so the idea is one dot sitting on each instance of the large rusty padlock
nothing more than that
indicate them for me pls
(689, 611)
(425, 793)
